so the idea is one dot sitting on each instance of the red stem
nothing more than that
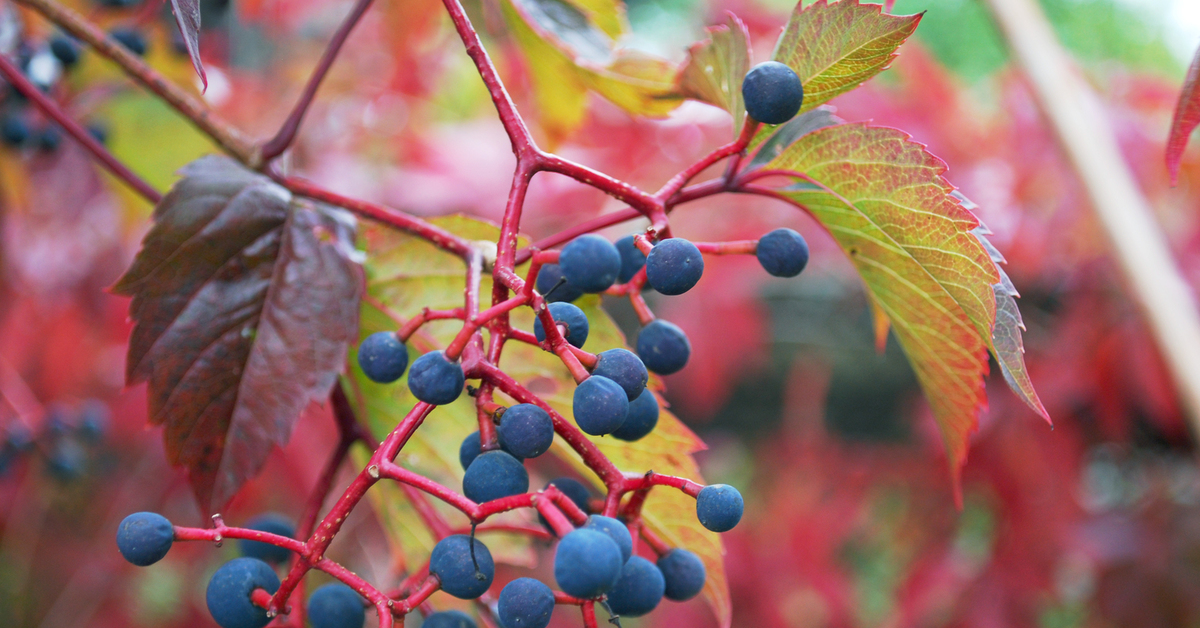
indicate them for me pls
(17, 79)
(287, 133)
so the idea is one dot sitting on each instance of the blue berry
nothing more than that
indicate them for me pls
(719, 507)
(130, 38)
(623, 367)
(14, 130)
(271, 523)
(632, 259)
(449, 619)
(65, 49)
(144, 538)
(336, 605)
(566, 314)
(228, 593)
(642, 417)
(471, 447)
(600, 405)
(525, 603)
(99, 132)
(683, 573)
(526, 431)
(590, 263)
(674, 266)
(587, 563)
(383, 357)
(615, 530)
(461, 575)
(494, 474)
(548, 286)
(434, 379)
(49, 138)
(782, 253)
(772, 92)
(639, 590)
(663, 347)
(67, 461)
(94, 418)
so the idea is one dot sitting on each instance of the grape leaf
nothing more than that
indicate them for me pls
(884, 199)
(835, 47)
(187, 17)
(245, 301)
(571, 48)
(1187, 117)
(406, 274)
(715, 68)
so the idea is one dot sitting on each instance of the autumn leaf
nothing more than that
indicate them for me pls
(884, 199)
(245, 301)
(187, 17)
(715, 68)
(835, 47)
(406, 274)
(1187, 116)
(571, 48)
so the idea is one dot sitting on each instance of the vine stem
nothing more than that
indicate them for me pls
(275, 146)
(17, 79)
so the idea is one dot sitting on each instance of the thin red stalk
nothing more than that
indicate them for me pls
(395, 472)
(425, 510)
(427, 588)
(588, 360)
(597, 223)
(677, 182)
(532, 531)
(588, 608)
(194, 109)
(733, 247)
(287, 133)
(554, 517)
(17, 79)
(644, 313)
(645, 203)
(567, 600)
(260, 598)
(655, 542)
(404, 222)
(413, 324)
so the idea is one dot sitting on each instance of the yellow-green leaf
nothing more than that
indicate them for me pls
(885, 200)
(835, 46)
(405, 274)
(715, 68)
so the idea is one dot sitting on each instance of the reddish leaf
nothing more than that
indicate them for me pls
(1187, 116)
(715, 68)
(187, 17)
(245, 301)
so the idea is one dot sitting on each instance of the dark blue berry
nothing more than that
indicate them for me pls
(461, 575)
(494, 474)
(590, 263)
(94, 418)
(632, 259)
(568, 315)
(336, 605)
(99, 132)
(67, 461)
(772, 92)
(471, 447)
(549, 287)
(684, 574)
(639, 590)
(587, 563)
(144, 538)
(719, 507)
(600, 405)
(783, 253)
(131, 38)
(525, 603)
(623, 367)
(383, 357)
(49, 138)
(663, 347)
(436, 380)
(642, 417)
(271, 523)
(449, 619)
(525, 431)
(228, 593)
(615, 530)
(14, 130)
(65, 49)
(674, 266)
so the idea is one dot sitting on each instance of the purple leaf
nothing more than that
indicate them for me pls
(245, 301)
(187, 16)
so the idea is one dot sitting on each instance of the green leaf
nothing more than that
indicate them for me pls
(405, 274)
(571, 48)
(884, 199)
(835, 47)
(715, 68)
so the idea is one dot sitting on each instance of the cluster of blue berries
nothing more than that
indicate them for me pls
(68, 438)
